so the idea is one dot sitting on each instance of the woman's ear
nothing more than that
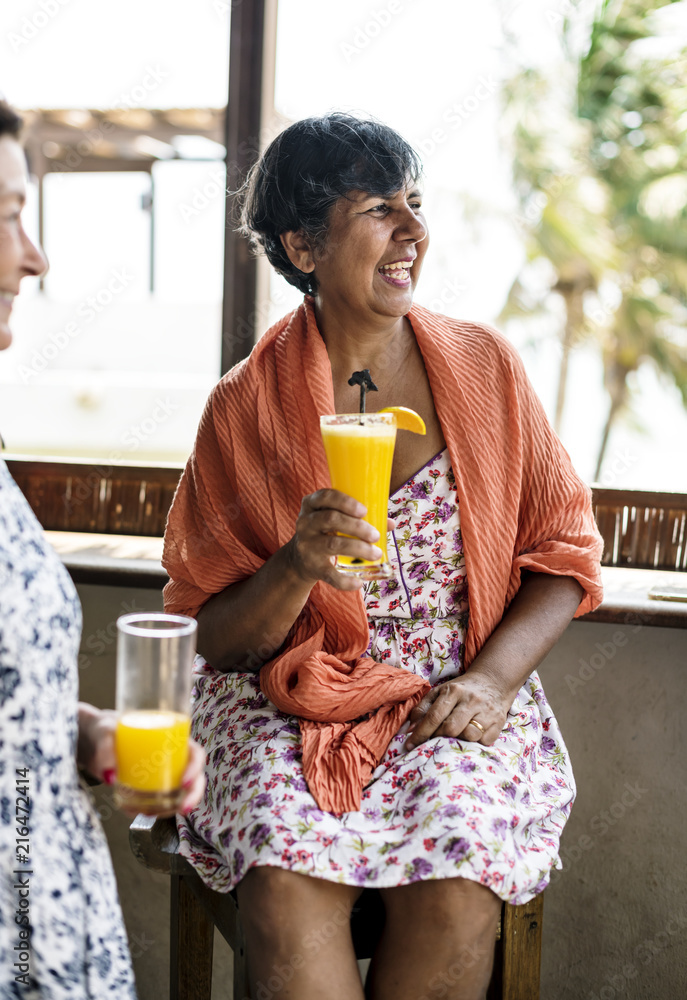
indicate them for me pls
(298, 250)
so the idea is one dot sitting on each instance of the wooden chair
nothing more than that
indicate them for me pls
(197, 910)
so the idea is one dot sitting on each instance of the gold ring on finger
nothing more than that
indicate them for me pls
(474, 722)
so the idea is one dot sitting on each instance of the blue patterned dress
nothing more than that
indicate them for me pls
(60, 919)
(448, 808)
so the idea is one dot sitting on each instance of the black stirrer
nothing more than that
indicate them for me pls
(364, 380)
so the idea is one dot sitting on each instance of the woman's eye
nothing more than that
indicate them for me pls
(379, 208)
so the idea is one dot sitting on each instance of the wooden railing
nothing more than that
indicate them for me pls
(640, 529)
(108, 498)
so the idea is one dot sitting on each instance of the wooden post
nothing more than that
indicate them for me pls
(191, 941)
(251, 83)
(518, 952)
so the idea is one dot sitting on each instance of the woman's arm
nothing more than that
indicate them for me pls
(537, 617)
(244, 625)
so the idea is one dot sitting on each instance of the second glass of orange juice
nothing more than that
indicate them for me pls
(154, 662)
(360, 450)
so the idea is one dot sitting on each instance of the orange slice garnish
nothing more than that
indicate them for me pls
(406, 419)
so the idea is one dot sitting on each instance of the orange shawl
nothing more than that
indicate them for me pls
(258, 453)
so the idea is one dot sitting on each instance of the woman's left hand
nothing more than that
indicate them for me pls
(450, 708)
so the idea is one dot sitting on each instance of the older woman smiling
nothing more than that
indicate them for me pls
(494, 550)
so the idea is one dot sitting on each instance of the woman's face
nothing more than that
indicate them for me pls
(372, 259)
(18, 255)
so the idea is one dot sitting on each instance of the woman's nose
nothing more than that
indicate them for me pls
(413, 227)
(35, 262)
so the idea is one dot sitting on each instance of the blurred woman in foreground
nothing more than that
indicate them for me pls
(61, 931)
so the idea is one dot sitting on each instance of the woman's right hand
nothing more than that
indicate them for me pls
(316, 542)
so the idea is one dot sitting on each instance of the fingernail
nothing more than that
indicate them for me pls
(377, 552)
(374, 535)
(187, 783)
(109, 776)
(409, 745)
(186, 810)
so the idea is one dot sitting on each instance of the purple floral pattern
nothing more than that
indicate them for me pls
(447, 809)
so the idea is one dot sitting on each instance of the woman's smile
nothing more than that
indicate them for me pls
(397, 273)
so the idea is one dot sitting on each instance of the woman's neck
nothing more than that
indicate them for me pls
(377, 343)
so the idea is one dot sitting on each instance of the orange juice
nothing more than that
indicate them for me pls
(152, 750)
(360, 450)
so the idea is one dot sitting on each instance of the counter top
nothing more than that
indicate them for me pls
(134, 561)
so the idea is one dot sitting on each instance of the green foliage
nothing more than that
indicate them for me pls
(604, 196)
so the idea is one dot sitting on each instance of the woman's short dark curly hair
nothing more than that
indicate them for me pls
(10, 122)
(306, 169)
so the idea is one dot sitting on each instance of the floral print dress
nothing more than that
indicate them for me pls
(62, 936)
(448, 808)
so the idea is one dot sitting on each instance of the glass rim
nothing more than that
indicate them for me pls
(382, 418)
(178, 625)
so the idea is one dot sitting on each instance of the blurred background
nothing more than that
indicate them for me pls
(553, 135)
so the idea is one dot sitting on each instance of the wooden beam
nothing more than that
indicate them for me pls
(251, 76)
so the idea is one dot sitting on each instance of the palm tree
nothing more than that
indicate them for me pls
(562, 208)
(635, 108)
(612, 199)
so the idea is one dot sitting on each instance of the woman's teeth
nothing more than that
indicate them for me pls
(398, 270)
(7, 298)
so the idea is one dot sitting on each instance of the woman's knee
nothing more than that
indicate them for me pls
(277, 904)
(456, 906)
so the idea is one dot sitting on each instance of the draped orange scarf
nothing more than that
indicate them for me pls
(259, 452)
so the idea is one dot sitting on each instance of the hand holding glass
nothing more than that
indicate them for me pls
(360, 452)
(154, 662)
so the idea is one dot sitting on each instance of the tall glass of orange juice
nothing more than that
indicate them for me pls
(360, 450)
(154, 662)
